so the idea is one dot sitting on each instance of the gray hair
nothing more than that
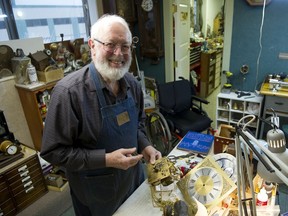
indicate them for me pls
(106, 20)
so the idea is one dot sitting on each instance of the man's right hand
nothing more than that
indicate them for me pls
(122, 158)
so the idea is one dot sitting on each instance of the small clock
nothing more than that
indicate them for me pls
(8, 148)
(147, 5)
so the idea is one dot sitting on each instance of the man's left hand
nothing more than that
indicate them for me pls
(150, 154)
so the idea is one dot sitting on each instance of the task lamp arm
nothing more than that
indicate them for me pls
(244, 138)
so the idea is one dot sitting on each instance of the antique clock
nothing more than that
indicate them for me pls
(150, 28)
(7, 140)
(8, 147)
(207, 183)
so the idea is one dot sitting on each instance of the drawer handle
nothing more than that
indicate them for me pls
(279, 103)
(26, 179)
(23, 168)
(29, 189)
(27, 184)
(24, 173)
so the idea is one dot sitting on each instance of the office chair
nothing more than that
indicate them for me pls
(181, 108)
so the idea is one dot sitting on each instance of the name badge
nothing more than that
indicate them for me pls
(123, 118)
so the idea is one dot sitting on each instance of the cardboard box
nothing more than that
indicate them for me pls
(224, 137)
(50, 75)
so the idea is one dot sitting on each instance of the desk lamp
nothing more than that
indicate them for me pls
(271, 165)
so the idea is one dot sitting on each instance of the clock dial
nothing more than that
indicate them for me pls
(7, 147)
(207, 182)
(205, 185)
(11, 150)
(228, 163)
(147, 5)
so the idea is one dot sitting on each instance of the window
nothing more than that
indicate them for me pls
(3, 30)
(46, 18)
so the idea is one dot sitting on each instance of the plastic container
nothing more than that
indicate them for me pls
(262, 198)
(268, 187)
(31, 70)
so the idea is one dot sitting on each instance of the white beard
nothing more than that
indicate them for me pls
(113, 74)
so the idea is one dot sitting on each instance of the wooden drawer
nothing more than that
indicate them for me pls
(5, 194)
(21, 170)
(279, 104)
(7, 207)
(18, 187)
(23, 195)
(24, 179)
(21, 185)
(3, 184)
(39, 192)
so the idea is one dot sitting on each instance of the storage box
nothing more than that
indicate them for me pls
(50, 75)
(224, 137)
(54, 180)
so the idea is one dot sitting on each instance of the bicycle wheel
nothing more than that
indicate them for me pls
(158, 132)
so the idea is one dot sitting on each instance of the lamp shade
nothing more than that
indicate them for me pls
(277, 146)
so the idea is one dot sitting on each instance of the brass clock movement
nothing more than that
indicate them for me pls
(207, 183)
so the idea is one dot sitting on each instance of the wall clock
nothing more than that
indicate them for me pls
(207, 183)
(150, 28)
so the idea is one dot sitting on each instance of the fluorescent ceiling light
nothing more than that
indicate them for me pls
(3, 15)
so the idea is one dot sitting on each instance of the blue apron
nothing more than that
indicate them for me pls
(107, 188)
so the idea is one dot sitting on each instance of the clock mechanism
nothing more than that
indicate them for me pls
(207, 182)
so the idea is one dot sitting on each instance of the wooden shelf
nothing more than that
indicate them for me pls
(35, 118)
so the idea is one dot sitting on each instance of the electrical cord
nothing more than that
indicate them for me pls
(260, 44)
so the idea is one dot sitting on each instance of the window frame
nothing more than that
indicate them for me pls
(11, 26)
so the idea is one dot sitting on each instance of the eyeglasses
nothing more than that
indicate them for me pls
(111, 47)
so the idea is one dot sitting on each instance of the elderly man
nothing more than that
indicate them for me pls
(95, 124)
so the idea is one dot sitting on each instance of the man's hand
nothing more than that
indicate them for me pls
(151, 154)
(122, 158)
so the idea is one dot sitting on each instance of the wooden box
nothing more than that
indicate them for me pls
(40, 60)
(223, 138)
(50, 75)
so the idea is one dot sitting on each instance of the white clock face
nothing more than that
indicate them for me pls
(228, 163)
(205, 185)
(147, 5)
(11, 150)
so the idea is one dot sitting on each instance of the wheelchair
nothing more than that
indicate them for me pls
(178, 110)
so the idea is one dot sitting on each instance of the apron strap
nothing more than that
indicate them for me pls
(96, 80)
